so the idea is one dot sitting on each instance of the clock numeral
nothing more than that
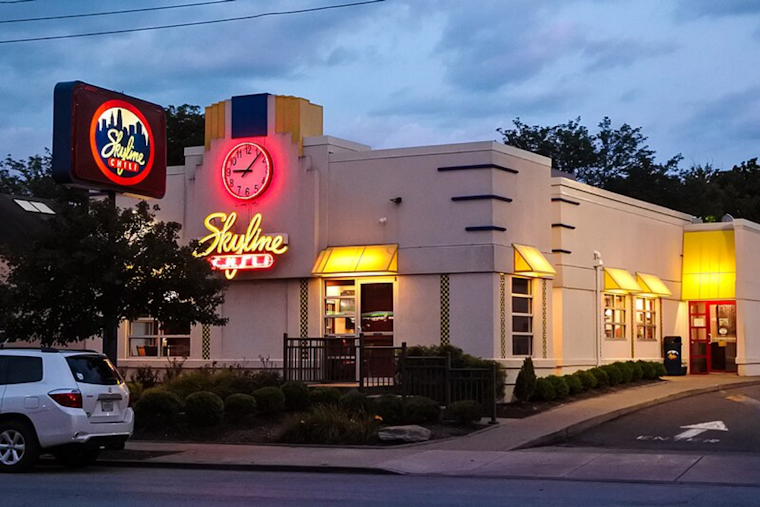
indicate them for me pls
(232, 181)
(248, 149)
(234, 160)
(238, 190)
(240, 153)
(247, 191)
(229, 171)
(255, 188)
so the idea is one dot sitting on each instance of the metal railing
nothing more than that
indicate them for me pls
(387, 370)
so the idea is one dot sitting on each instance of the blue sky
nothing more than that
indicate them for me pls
(414, 72)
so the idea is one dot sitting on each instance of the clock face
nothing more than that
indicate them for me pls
(247, 170)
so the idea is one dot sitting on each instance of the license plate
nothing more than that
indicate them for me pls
(106, 406)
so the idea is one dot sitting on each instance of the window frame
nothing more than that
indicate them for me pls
(644, 324)
(622, 310)
(523, 335)
(161, 345)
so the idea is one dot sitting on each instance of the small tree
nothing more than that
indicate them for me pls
(525, 385)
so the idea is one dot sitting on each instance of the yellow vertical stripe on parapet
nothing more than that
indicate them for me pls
(299, 117)
(215, 119)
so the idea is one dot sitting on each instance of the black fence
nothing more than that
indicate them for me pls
(381, 369)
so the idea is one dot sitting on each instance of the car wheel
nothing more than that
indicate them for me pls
(18, 446)
(77, 457)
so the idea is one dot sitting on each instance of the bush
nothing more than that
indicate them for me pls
(239, 405)
(356, 403)
(204, 409)
(602, 379)
(390, 408)
(525, 384)
(419, 410)
(325, 396)
(625, 370)
(135, 391)
(545, 390)
(647, 368)
(614, 374)
(158, 408)
(659, 369)
(227, 382)
(574, 383)
(146, 376)
(464, 412)
(588, 380)
(264, 378)
(561, 389)
(638, 372)
(326, 424)
(297, 396)
(269, 400)
(185, 384)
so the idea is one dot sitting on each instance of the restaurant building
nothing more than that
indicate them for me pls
(477, 245)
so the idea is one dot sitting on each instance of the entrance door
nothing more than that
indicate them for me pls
(712, 340)
(376, 325)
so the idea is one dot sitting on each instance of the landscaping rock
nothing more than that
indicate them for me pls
(409, 433)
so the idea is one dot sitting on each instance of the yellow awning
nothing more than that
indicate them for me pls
(709, 265)
(652, 285)
(357, 260)
(620, 281)
(529, 261)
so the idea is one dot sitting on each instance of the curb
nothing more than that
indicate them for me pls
(574, 429)
(326, 469)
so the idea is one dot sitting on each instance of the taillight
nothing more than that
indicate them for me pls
(67, 398)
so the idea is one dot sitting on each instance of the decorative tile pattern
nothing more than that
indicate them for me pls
(445, 311)
(304, 307)
(543, 312)
(503, 314)
(206, 341)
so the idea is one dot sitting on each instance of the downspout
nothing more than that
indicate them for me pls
(598, 266)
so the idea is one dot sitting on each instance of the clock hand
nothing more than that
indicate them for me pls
(247, 169)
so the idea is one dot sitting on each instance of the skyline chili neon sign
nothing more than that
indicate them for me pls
(229, 251)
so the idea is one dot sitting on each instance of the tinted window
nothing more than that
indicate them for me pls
(93, 370)
(2, 370)
(22, 369)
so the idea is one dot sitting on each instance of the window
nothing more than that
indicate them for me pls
(22, 369)
(340, 307)
(646, 319)
(93, 370)
(614, 316)
(522, 316)
(148, 339)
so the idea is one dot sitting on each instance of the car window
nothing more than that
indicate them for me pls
(3, 362)
(93, 370)
(23, 369)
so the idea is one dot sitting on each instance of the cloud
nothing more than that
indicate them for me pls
(608, 54)
(694, 9)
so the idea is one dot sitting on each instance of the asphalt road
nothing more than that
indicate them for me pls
(723, 421)
(98, 486)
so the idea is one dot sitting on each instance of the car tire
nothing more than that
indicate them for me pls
(19, 448)
(77, 456)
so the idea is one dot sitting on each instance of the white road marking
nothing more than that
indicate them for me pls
(692, 430)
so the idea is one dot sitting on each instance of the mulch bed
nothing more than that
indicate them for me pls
(521, 410)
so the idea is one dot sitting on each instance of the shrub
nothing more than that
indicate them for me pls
(647, 367)
(614, 374)
(158, 408)
(296, 396)
(602, 379)
(204, 409)
(264, 378)
(419, 410)
(588, 380)
(146, 376)
(574, 383)
(390, 408)
(185, 384)
(545, 390)
(269, 400)
(659, 369)
(626, 372)
(135, 391)
(525, 384)
(464, 412)
(461, 360)
(356, 403)
(239, 405)
(561, 389)
(226, 382)
(325, 396)
(326, 424)
(638, 372)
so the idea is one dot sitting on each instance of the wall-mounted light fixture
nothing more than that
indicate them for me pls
(396, 200)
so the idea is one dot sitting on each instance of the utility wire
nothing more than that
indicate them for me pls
(15, 1)
(110, 13)
(195, 23)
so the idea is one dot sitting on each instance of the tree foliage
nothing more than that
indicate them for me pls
(95, 266)
(185, 126)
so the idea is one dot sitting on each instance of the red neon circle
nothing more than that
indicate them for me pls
(103, 168)
(266, 183)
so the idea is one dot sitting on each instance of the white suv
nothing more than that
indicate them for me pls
(63, 402)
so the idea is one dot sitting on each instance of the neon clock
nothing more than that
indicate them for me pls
(247, 170)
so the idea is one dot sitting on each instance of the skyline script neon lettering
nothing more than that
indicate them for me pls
(222, 241)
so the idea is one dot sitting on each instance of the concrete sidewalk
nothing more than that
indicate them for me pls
(501, 450)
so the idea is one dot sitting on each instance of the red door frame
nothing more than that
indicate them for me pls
(707, 334)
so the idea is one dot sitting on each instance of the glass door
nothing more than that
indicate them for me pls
(712, 336)
(376, 324)
(699, 351)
